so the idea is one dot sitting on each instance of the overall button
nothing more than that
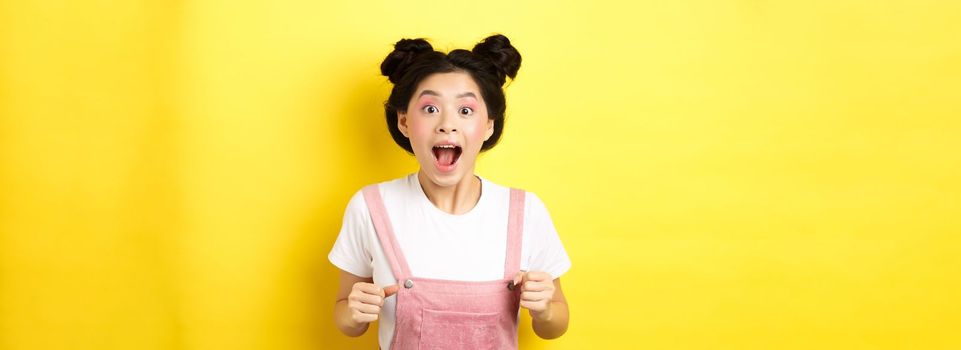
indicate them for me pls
(409, 284)
(511, 286)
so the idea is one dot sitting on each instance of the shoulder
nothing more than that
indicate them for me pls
(533, 205)
(388, 190)
(357, 205)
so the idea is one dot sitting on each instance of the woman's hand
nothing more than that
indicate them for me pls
(542, 295)
(537, 293)
(359, 302)
(366, 300)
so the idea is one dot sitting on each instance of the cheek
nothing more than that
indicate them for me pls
(477, 131)
(418, 129)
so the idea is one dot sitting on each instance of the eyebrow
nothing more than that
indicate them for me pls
(434, 93)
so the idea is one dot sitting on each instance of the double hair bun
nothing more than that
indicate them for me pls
(498, 56)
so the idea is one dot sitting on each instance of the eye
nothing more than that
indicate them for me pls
(430, 109)
(466, 111)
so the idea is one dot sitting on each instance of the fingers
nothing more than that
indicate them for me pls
(534, 281)
(371, 299)
(363, 317)
(391, 290)
(519, 278)
(539, 295)
(531, 286)
(365, 308)
(538, 276)
(368, 288)
(536, 306)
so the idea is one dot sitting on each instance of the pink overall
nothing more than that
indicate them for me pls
(443, 314)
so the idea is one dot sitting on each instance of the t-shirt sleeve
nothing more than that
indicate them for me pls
(350, 252)
(547, 253)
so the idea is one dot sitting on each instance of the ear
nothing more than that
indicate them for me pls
(490, 129)
(402, 123)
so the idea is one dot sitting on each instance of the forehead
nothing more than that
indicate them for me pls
(449, 85)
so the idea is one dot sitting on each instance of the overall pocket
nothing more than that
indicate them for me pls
(462, 330)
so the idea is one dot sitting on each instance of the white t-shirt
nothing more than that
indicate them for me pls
(465, 247)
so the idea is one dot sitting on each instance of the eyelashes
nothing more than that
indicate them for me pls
(463, 111)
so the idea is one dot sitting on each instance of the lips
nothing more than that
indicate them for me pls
(446, 155)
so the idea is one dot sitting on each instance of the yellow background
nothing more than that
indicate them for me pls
(724, 174)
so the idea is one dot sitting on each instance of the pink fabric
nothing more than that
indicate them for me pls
(443, 314)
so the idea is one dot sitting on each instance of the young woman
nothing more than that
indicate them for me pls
(445, 258)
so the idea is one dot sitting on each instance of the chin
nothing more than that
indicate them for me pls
(443, 180)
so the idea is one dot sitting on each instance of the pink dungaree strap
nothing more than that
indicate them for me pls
(515, 230)
(385, 232)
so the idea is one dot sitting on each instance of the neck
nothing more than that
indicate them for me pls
(457, 199)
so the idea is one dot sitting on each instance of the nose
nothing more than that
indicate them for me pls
(446, 124)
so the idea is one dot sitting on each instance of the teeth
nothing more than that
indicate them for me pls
(445, 146)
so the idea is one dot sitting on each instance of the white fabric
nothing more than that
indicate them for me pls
(466, 247)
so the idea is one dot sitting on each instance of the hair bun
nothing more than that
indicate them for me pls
(398, 60)
(498, 49)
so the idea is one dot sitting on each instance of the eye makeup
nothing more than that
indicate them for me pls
(426, 102)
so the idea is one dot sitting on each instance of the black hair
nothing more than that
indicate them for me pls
(489, 63)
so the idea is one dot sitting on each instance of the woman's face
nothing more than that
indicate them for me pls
(447, 123)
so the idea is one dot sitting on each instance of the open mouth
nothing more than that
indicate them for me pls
(446, 155)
